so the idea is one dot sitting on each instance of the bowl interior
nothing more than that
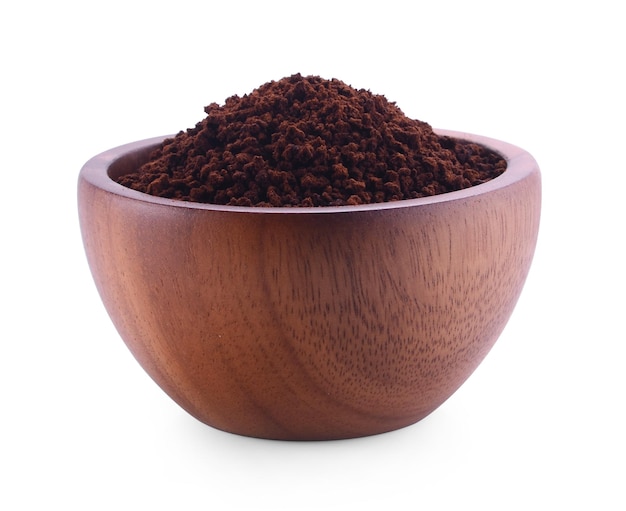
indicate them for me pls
(103, 171)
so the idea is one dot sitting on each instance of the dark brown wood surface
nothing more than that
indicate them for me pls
(305, 323)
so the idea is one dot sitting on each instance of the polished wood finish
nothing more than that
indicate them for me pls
(318, 323)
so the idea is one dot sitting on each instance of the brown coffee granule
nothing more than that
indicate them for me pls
(306, 141)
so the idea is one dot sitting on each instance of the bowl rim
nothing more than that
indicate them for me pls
(520, 165)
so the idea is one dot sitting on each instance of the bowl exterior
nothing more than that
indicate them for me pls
(307, 325)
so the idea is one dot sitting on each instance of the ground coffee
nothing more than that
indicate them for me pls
(306, 141)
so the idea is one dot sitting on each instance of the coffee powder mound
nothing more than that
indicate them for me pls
(306, 141)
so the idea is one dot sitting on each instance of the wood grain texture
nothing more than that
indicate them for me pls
(309, 324)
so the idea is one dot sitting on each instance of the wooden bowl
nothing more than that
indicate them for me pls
(310, 323)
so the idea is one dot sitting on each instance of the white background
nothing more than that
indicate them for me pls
(540, 424)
